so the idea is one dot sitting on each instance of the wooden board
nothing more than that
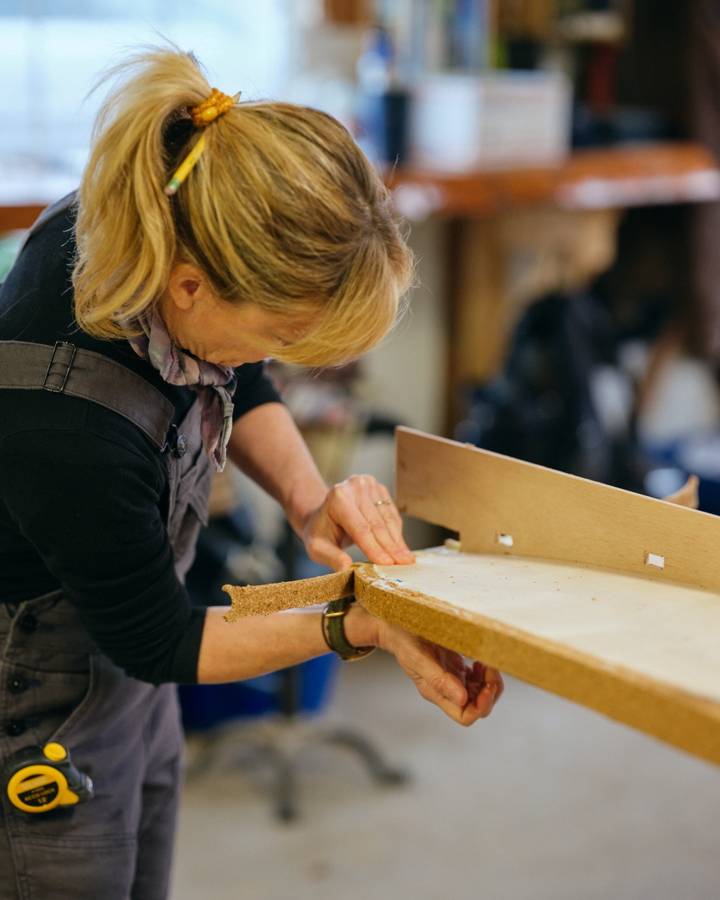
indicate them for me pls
(557, 581)
(602, 596)
(548, 515)
(641, 653)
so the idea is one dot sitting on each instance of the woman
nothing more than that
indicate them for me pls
(206, 236)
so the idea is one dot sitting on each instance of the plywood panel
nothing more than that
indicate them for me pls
(553, 516)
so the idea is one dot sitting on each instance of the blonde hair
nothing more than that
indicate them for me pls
(282, 210)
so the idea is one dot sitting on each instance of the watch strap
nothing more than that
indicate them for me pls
(333, 626)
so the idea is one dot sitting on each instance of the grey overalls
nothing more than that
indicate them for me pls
(55, 684)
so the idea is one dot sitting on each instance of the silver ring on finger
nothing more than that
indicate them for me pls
(382, 502)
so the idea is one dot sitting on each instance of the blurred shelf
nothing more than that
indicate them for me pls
(637, 175)
(633, 175)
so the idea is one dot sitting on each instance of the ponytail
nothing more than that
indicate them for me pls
(282, 210)
(126, 236)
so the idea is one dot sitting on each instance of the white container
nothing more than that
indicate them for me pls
(464, 122)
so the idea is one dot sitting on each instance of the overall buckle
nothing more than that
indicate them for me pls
(60, 366)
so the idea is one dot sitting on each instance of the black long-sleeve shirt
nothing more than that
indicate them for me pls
(83, 491)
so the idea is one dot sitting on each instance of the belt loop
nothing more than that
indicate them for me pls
(64, 367)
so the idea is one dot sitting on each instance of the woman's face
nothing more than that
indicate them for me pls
(220, 332)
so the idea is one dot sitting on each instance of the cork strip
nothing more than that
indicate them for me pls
(265, 599)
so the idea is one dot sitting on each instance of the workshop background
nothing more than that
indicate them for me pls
(556, 163)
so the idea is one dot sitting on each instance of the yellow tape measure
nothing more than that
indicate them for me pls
(42, 779)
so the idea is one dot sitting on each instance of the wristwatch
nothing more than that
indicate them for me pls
(333, 628)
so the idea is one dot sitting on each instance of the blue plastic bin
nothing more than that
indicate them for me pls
(205, 706)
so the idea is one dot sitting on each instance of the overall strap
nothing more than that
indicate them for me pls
(67, 369)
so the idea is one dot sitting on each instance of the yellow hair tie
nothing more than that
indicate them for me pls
(203, 114)
(212, 107)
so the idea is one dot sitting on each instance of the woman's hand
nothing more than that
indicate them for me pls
(464, 692)
(358, 511)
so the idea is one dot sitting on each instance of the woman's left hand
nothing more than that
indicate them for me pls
(464, 690)
(358, 511)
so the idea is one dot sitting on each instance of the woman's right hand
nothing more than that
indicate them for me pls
(464, 691)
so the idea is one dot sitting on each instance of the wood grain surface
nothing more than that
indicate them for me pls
(553, 516)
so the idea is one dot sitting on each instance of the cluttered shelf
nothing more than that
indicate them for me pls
(616, 177)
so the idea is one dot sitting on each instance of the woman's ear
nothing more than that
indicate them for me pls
(185, 285)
